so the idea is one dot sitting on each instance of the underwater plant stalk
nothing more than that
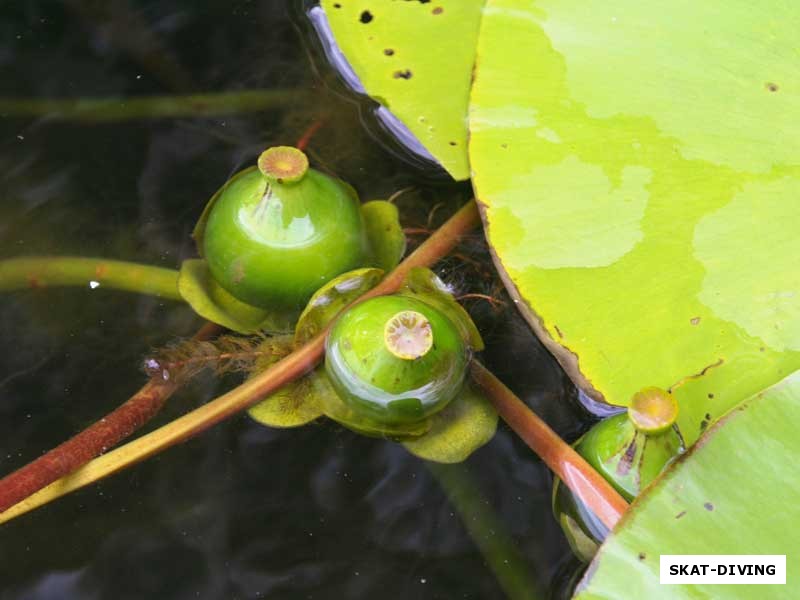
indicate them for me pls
(586, 483)
(489, 534)
(247, 394)
(100, 110)
(95, 439)
(35, 272)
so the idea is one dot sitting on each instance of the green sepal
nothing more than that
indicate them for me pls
(583, 530)
(294, 405)
(200, 226)
(336, 409)
(329, 300)
(463, 426)
(387, 241)
(422, 283)
(209, 300)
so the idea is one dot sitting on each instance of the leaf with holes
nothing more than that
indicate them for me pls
(416, 59)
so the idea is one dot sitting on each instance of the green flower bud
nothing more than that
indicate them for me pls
(629, 450)
(396, 359)
(275, 235)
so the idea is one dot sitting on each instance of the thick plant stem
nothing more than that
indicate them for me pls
(94, 440)
(34, 272)
(250, 392)
(510, 568)
(568, 465)
(149, 107)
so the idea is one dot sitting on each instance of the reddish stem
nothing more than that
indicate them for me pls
(579, 476)
(94, 440)
(309, 133)
(491, 300)
(416, 231)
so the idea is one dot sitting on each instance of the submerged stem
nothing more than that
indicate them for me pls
(34, 272)
(149, 107)
(513, 573)
(94, 440)
(573, 470)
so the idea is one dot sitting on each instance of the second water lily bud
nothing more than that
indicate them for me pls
(274, 235)
(396, 359)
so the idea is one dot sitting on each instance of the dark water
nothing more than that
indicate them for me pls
(242, 511)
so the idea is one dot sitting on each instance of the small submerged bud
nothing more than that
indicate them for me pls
(629, 450)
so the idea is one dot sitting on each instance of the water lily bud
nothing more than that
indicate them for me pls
(629, 450)
(276, 234)
(396, 359)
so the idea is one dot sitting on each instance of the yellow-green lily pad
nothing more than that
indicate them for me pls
(295, 404)
(638, 169)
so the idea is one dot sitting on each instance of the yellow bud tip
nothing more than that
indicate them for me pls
(408, 335)
(283, 164)
(653, 410)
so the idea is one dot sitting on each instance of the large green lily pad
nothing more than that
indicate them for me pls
(727, 495)
(416, 59)
(638, 167)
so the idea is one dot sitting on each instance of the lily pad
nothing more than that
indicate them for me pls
(328, 301)
(424, 284)
(727, 495)
(466, 424)
(212, 302)
(641, 203)
(386, 238)
(416, 59)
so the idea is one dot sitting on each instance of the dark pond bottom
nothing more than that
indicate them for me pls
(242, 511)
